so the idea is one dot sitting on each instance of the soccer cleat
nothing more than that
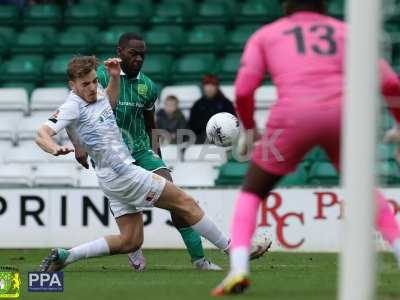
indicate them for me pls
(204, 264)
(137, 261)
(55, 261)
(232, 284)
(259, 247)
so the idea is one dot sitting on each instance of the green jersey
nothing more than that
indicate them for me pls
(136, 95)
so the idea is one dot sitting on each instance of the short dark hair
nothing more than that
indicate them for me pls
(128, 36)
(172, 98)
(80, 66)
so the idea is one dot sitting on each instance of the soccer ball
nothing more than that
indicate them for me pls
(223, 129)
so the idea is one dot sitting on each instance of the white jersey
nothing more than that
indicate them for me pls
(95, 128)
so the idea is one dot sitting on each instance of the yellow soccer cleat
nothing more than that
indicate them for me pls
(232, 284)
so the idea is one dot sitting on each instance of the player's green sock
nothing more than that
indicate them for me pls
(193, 243)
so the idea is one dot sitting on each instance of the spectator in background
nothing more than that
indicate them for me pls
(212, 102)
(171, 118)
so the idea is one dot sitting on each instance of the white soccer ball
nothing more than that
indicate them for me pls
(223, 129)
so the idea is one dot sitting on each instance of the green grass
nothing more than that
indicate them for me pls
(279, 276)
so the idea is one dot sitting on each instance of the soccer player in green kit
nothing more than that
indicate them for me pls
(135, 117)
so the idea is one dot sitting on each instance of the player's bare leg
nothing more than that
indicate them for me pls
(258, 183)
(129, 239)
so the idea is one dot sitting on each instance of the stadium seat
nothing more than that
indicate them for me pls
(173, 13)
(73, 42)
(5, 146)
(205, 38)
(296, 178)
(8, 33)
(237, 38)
(9, 14)
(48, 99)
(56, 68)
(171, 153)
(323, 174)
(7, 127)
(15, 175)
(386, 152)
(27, 152)
(213, 12)
(265, 96)
(259, 11)
(192, 67)
(53, 174)
(229, 67)
(14, 99)
(187, 94)
(83, 14)
(387, 120)
(31, 43)
(203, 176)
(388, 172)
(43, 14)
(336, 8)
(48, 31)
(231, 173)
(158, 67)
(26, 128)
(208, 153)
(164, 39)
(22, 67)
(107, 40)
(28, 86)
(126, 13)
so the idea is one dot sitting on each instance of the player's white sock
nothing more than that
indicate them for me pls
(206, 228)
(94, 248)
(239, 259)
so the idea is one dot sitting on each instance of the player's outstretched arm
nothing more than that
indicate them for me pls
(44, 140)
(113, 68)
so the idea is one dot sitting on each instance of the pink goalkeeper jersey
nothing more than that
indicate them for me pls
(304, 54)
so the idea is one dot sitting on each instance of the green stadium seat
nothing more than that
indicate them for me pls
(22, 68)
(259, 11)
(205, 38)
(8, 33)
(192, 67)
(296, 178)
(316, 155)
(387, 120)
(89, 30)
(83, 14)
(173, 13)
(229, 66)
(104, 5)
(166, 39)
(31, 42)
(9, 15)
(323, 174)
(125, 13)
(48, 31)
(73, 42)
(386, 152)
(231, 174)
(213, 12)
(239, 36)
(336, 8)
(28, 86)
(388, 172)
(43, 14)
(392, 27)
(56, 68)
(107, 40)
(158, 67)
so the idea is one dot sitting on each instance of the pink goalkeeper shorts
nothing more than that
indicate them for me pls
(293, 131)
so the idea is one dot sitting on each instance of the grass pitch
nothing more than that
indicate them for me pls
(169, 275)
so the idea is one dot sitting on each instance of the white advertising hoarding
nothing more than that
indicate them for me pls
(296, 219)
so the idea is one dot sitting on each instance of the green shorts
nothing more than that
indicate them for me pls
(149, 160)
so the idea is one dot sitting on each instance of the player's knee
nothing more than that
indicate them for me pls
(188, 207)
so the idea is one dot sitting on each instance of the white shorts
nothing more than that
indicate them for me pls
(129, 193)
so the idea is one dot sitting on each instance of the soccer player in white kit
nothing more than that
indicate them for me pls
(88, 117)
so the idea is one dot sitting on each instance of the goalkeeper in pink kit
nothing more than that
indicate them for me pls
(304, 54)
